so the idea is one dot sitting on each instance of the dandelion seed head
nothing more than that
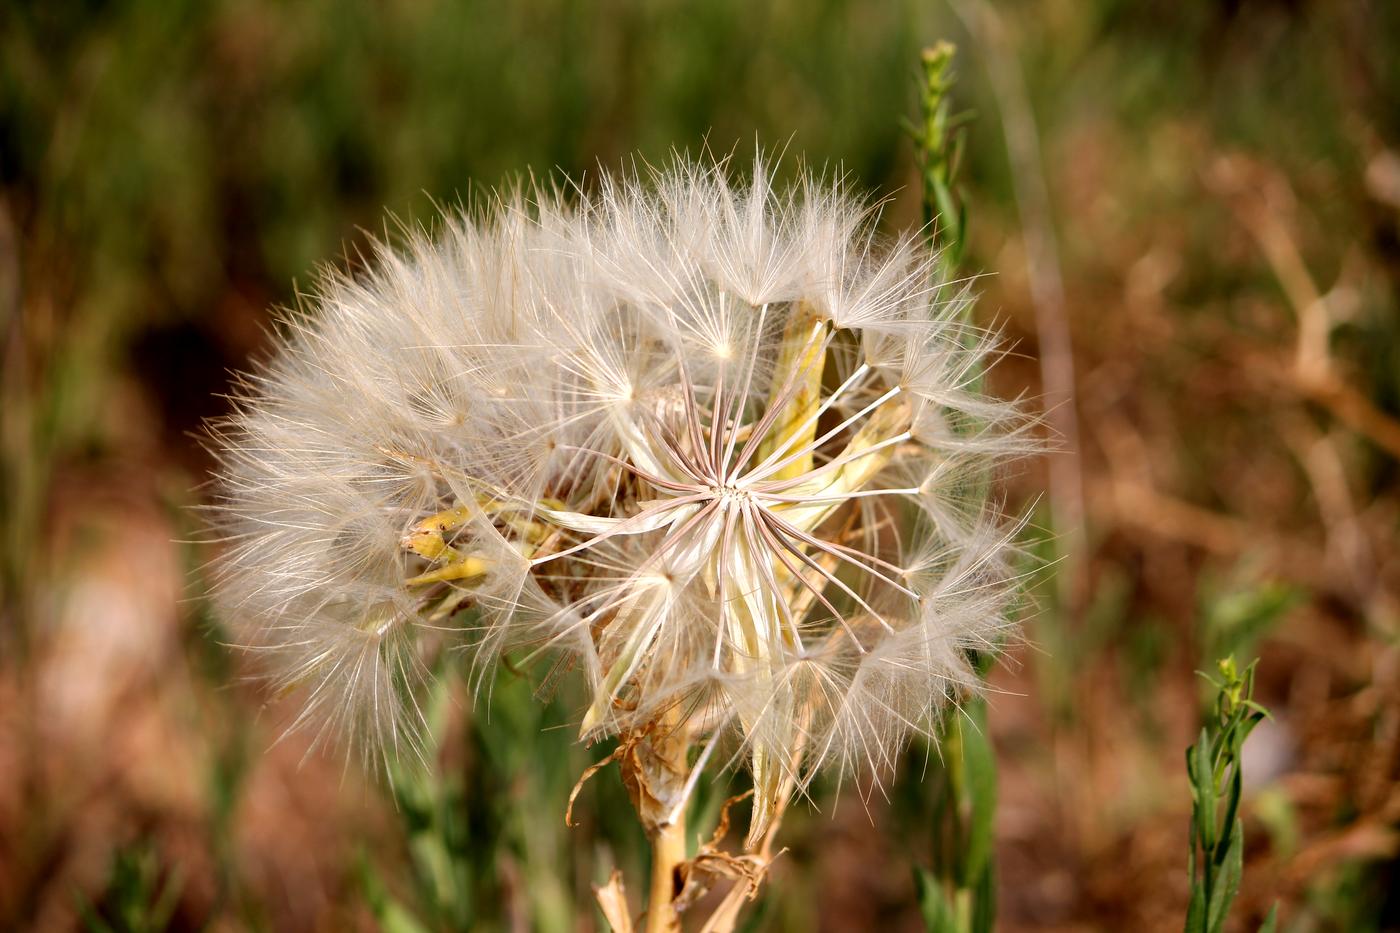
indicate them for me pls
(719, 446)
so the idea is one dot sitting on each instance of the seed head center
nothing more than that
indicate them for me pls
(730, 494)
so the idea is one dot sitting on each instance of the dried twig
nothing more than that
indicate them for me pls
(612, 901)
(1259, 205)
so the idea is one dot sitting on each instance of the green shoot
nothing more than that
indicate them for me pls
(938, 141)
(1214, 766)
(959, 895)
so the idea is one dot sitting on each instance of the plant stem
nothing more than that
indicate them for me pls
(668, 850)
(667, 854)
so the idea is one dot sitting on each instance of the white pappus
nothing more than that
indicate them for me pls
(722, 448)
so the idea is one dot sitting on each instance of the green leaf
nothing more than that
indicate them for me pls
(1270, 924)
(984, 906)
(1227, 884)
(1235, 619)
(1196, 912)
(1191, 848)
(938, 912)
(1203, 786)
(1232, 801)
(392, 916)
(980, 769)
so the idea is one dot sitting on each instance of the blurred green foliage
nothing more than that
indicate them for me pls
(141, 894)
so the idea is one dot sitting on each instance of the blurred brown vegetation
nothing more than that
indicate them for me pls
(1223, 185)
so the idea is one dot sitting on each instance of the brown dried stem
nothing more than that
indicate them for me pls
(655, 764)
(668, 854)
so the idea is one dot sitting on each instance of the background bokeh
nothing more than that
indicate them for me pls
(1218, 249)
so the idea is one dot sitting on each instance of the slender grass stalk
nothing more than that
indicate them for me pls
(959, 895)
(939, 138)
